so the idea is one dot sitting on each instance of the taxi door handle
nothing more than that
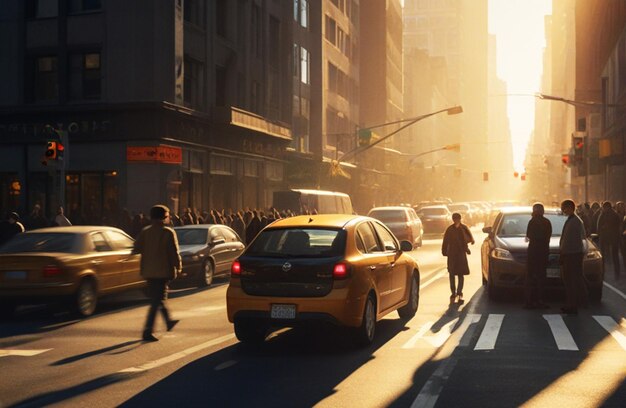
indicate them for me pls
(393, 264)
(97, 261)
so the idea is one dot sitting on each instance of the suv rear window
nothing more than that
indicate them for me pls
(299, 243)
(40, 242)
(389, 215)
(434, 211)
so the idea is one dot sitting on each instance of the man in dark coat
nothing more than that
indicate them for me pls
(160, 263)
(454, 246)
(538, 235)
(11, 227)
(36, 219)
(254, 227)
(609, 224)
(572, 251)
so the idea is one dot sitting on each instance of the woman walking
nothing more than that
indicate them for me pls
(454, 246)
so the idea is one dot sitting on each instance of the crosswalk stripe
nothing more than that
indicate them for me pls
(22, 353)
(613, 328)
(489, 335)
(561, 333)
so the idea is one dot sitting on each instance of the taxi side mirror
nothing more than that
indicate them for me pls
(406, 246)
(488, 230)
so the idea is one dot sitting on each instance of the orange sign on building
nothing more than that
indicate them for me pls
(154, 154)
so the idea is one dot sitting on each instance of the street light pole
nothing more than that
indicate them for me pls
(411, 121)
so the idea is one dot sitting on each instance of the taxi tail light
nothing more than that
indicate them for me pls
(341, 271)
(50, 271)
(235, 269)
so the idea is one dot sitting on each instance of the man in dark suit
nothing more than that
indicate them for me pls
(572, 249)
(538, 235)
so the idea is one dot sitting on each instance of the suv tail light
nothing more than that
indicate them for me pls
(50, 271)
(235, 269)
(341, 271)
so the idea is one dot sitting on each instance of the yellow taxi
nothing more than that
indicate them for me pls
(345, 269)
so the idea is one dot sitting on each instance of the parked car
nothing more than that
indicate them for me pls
(301, 201)
(504, 253)
(467, 215)
(435, 219)
(402, 221)
(207, 251)
(345, 269)
(76, 264)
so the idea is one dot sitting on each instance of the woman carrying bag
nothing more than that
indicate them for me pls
(454, 246)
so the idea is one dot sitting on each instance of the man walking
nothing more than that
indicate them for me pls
(572, 250)
(609, 223)
(11, 227)
(538, 235)
(160, 263)
(454, 246)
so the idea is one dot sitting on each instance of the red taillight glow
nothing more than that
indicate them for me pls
(341, 271)
(50, 271)
(235, 270)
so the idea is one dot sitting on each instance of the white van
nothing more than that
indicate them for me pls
(323, 202)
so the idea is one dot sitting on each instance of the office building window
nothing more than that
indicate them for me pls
(305, 62)
(331, 28)
(257, 32)
(221, 18)
(301, 12)
(77, 6)
(194, 84)
(194, 11)
(42, 8)
(46, 79)
(85, 76)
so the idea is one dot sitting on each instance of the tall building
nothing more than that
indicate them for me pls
(184, 103)
(455, 35)
(600, 71)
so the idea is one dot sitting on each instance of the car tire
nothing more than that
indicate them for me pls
(595, 293)
(407, 311)
(493, 291)
(207, 274)
(86, 298)
(250, 331)
(364, 334)
(7, 310)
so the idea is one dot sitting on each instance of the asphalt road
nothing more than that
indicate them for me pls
(479, 354)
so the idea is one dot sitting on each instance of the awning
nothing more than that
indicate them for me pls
(248, 120)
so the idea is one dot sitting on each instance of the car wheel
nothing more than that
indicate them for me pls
(249, 331)
(7, 310)
(595, 293)
(206, 277)
(408, 311)
(493, 291)
(364, 334)
(86, 298)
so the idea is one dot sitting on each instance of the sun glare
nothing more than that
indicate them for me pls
(519, 26)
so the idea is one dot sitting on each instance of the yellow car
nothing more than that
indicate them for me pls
(345, 269)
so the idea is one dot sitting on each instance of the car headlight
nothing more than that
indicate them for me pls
(593, 254)
(500, 253)
(192, 257)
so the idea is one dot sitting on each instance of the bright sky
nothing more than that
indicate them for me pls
(519, 26)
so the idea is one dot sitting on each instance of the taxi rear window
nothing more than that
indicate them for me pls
(299, 243)
(40, 242)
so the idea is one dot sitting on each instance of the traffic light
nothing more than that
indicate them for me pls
(523, 177)
(60, 150)
(565, 159)
(485, 176)
(515, 174)
(365, 137)
(578, 144)
(51, 150)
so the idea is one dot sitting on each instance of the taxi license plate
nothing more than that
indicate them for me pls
(17, 275)
(283, 312)
(553, 273)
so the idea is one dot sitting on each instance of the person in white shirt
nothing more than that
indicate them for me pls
(61, 220)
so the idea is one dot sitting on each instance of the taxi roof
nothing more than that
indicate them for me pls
(320, 220)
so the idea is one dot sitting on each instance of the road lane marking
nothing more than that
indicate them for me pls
(429, 394)
(561, 333)
(487, 339)
(22, 353)
(443, 334)
(614, 289)
(411, 343)
(613, 328)
(436, 276)
(177, 356)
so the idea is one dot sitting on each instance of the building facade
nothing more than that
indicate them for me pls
(185, 103)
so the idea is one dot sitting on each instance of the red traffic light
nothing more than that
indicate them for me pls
(515, 174)
(523, 177)
(51, 150)
(565, 159)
